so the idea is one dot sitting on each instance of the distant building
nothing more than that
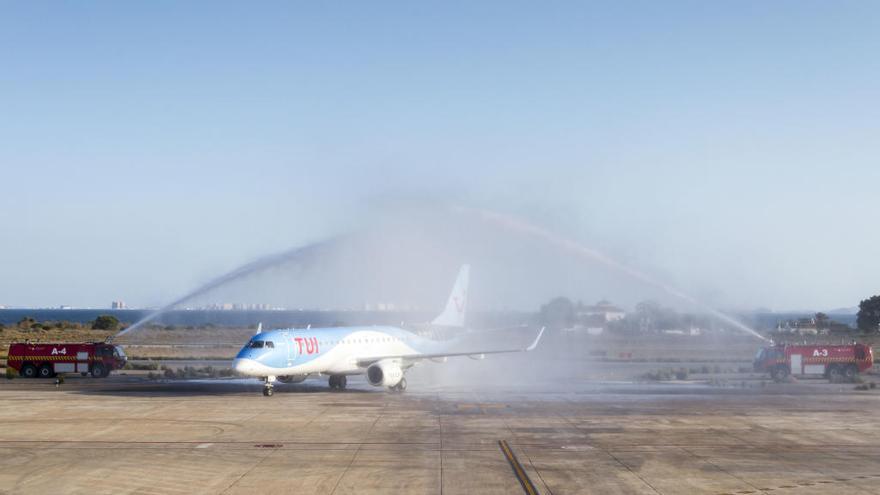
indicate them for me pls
(239, 307)
(593, 320)
(64, 306)
(800, 326)
(118, 305)
(602, 311)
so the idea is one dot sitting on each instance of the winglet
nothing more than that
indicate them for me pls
(259, 328)
(535, 343)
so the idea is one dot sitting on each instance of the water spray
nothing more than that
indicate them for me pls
(568, 245)
(243, 271)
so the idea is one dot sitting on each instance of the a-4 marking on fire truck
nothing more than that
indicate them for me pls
(55, 351)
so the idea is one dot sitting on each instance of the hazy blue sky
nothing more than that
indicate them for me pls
(730, 148)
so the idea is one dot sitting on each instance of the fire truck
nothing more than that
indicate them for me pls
(32, 360)
(830, 361)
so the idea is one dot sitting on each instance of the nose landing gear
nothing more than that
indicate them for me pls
(268, 388)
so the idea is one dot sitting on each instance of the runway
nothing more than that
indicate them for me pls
(129, 435)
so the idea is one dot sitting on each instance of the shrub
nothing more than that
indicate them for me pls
(681, 374)
(142, 367)
(105, 322)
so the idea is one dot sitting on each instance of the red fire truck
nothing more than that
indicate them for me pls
(46, 360)
(831, 361)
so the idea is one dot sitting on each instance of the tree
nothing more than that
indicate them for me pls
(558, 313)
(105, 322)
(868, 319)
(822, 321)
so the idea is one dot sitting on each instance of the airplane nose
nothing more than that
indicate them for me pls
(241, 366)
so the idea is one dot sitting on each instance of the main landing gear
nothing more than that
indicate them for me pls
(338, 382)
(400, 387)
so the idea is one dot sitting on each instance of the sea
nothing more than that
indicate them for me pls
(244, 318)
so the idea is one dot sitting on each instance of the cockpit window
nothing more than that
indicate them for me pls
(259, 344)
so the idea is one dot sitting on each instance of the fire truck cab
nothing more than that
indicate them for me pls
(830, 361)
(45, 360)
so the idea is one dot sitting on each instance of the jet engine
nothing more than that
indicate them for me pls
(385, 373)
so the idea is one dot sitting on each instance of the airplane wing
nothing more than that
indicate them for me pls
(366, 362)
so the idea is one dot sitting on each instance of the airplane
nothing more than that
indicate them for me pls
(382, 353)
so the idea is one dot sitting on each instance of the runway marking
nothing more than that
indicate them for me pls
(518, 470)
(801, 484)
(204, 445)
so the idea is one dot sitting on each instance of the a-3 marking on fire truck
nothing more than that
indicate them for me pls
(820, 353)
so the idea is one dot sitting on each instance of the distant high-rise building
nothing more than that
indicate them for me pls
(118, 305)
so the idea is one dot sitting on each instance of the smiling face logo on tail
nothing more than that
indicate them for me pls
(456, 307)
(460, 302)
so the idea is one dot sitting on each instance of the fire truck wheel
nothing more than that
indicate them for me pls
(98, 370)
(779, 373)
(45, 371)
(28, 371)
(833, 372)
(850, 372)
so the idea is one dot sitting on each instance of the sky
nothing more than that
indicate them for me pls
(726, 148)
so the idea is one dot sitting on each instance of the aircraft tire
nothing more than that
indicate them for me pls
(341, 382)
(333, 382)
(268, 392)
(402, 385)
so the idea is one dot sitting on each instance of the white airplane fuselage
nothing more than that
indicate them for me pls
(331, 351)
